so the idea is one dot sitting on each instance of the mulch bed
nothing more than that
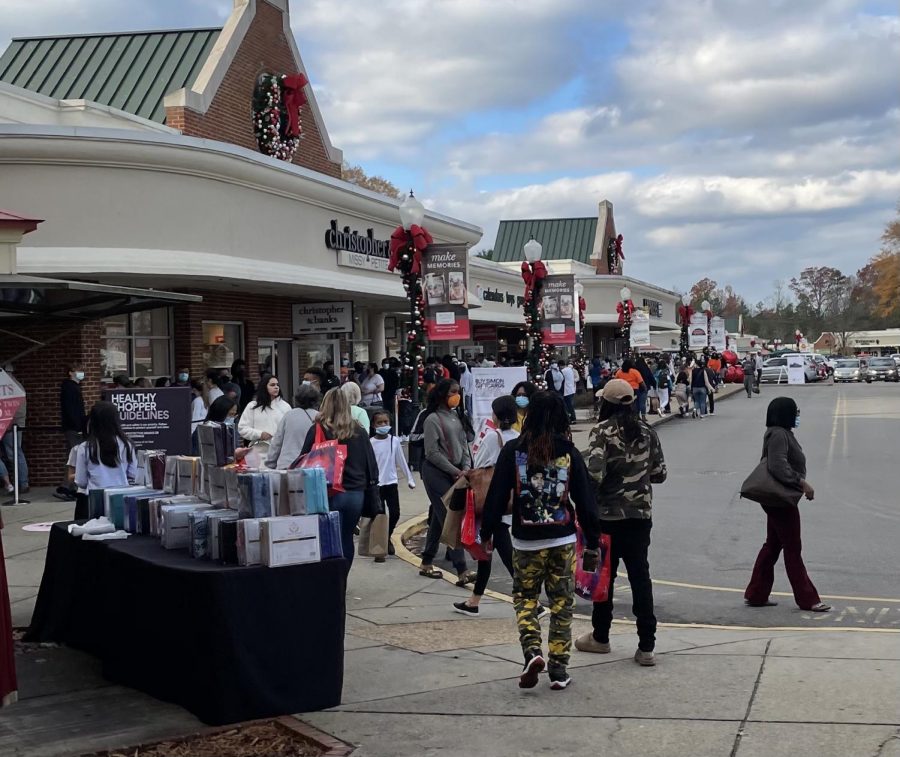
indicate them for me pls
(272, 738)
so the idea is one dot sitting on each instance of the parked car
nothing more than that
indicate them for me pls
(775, 370)
(847, 369)
(882, 369)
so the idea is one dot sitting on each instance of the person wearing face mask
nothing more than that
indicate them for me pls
(314, 377)
(260, 419)
(72, 419)
(182, 378)
(787, 465)
(284, 449)
(331, 380)
(555, 379)
(522, 393)
(447, 458)
(371, 386)
(389, 456)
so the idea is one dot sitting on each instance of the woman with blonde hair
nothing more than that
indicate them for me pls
(360, 468)
(353, 394)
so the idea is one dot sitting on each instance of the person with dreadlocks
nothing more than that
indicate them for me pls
(625, 460)
(545, 477)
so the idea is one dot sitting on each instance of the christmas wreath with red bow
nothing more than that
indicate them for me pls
(277, 100)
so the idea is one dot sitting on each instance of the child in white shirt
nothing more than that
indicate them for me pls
(389, 454)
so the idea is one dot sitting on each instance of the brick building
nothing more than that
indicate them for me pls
(138, 151)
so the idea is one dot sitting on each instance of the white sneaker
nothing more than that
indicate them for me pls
(645, 659)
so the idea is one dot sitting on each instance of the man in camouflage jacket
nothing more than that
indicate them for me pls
(625, 460)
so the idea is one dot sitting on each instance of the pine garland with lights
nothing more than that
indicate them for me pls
(414, 354)
(626, 331)
(271, 119)
(538, 355)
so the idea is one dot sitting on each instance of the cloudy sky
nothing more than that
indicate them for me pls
(736, 139)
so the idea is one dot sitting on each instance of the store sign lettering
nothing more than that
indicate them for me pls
(352, 241)
(495, 295)
(653, 307)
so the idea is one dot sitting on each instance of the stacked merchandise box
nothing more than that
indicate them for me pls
(291, 540)
(330, 535)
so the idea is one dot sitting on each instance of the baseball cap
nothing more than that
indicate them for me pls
(618, 392)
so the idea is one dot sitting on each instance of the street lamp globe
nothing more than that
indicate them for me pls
(532, 250)
(625, 294)
(705, 305)
(685, 299)
(579, 288)
(797, 333)
(412, 212)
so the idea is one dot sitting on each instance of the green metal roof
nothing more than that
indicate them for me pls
(560, 238)
(133, 71)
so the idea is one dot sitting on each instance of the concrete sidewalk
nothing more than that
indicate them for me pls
(422, 680)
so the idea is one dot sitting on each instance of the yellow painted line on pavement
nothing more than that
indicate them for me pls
(404, 554)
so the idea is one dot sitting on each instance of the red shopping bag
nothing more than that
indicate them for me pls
(329, 455)
(469, 532)
(592, 586)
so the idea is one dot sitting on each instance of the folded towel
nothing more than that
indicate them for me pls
(101, 525)
(106, 537)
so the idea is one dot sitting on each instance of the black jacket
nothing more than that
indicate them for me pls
(71, 406)
(545, 499)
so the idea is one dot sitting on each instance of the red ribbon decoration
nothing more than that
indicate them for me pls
(685, 311)
(619, 253)
(621, 308)
(532, 273)
(582, 306)
(417, 237)
(294, 99)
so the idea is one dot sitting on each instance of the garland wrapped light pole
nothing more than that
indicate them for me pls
(533, 273)
(409, 243)
(580, 351)
(625, 309)
(685, 312)
(707, 311)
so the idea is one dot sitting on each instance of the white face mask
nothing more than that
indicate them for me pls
(79, 376)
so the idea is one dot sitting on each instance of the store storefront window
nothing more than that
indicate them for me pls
(139, 344)
(223, 343)
(360, 336)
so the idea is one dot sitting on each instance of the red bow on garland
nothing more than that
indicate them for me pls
(621, 308)
(582, 306)
(532, 278)
(619, 253)
(294, 99)
(400, 241)
(685, 311)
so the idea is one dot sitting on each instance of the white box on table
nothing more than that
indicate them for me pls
(292, 540)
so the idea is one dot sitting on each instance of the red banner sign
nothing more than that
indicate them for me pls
(484, 332)
(12, 395)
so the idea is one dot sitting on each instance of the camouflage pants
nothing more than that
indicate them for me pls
(551, 568)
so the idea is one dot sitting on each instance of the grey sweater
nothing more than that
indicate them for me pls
(446, 447)
(289, 438)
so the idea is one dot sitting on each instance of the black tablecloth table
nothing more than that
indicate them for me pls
(226, 643)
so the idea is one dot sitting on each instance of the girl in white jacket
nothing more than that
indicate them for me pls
(261, 417)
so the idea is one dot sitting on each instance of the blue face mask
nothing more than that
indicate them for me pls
(382, 430)
(522, 401)
(229, 421)
(797, 422)
(183, 377)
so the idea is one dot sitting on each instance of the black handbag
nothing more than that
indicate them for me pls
(762, 487)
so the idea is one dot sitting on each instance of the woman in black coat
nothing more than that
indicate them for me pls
(787, 464)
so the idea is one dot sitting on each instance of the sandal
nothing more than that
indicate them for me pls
(429, 571)
(820, 607)
(466, 578)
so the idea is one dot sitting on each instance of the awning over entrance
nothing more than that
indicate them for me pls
(31, 299)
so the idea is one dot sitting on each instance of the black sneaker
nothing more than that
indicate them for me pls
(534, 666)
(559, 679)
(464, 609)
